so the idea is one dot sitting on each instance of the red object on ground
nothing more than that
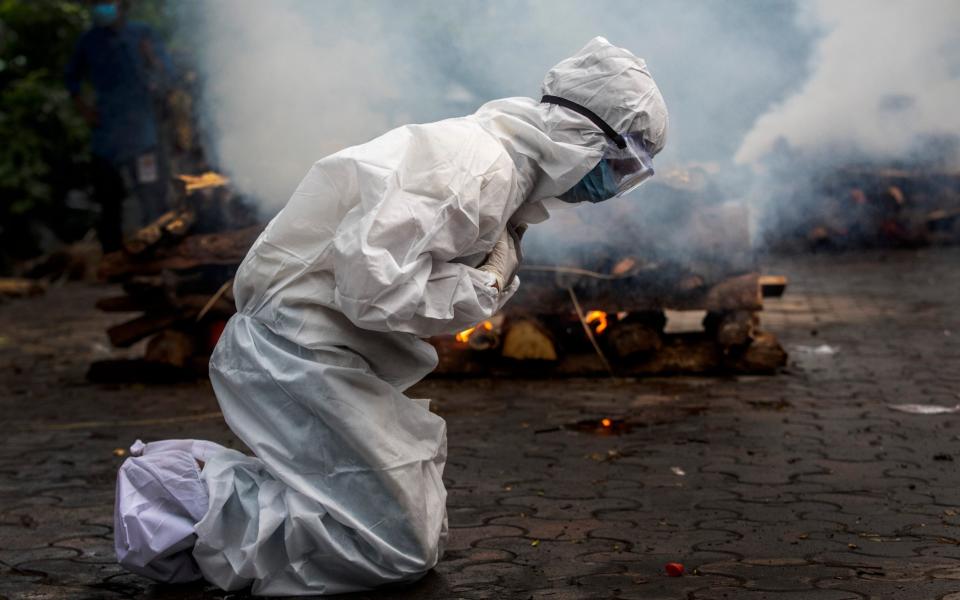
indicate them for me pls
(674, 569)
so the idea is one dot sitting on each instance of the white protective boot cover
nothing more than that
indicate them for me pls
(160, 498)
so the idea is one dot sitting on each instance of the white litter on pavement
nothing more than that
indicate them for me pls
(822, 349)
(925, 409)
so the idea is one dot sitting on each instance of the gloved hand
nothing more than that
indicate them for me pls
(504, 260)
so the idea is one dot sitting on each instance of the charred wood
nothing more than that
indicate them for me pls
(172, 224)
(734, 328)
(227, 248)
(626, 339)
(763, 355)
(130, 332)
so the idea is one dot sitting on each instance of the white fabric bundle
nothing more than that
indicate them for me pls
(160, 498)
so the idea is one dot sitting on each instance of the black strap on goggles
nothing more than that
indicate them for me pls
(583, 110)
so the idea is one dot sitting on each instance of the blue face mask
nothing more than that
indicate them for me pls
(104, 13)
(596, 186)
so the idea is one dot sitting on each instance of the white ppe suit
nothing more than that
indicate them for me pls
(377, 248)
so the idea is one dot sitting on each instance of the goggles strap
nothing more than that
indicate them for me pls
(583, 110)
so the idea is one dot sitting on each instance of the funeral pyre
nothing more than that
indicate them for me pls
(598, 284)
(601, 283)
(864, 207)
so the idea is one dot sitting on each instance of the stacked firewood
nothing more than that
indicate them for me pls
(176, 274)
(595, 287)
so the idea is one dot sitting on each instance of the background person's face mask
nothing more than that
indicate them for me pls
(104, 13)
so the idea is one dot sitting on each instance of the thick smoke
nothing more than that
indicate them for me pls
(884, 86)
(289, 81)
(799, 88)
(281, 90)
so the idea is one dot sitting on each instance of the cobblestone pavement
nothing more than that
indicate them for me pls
(805, 485)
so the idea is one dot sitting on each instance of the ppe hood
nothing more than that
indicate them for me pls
(554, 147)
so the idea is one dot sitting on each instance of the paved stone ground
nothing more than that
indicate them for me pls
(802, 486)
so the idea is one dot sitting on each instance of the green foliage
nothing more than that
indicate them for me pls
(43, 138)
(44, 149)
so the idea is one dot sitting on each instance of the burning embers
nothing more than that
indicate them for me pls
(599, 319)
(464, 336)
(602, 426)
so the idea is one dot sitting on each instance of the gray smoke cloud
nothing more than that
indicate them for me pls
(884, 81)
(287, 82)
(766, 95)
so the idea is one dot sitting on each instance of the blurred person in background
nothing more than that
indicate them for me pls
(127, 67)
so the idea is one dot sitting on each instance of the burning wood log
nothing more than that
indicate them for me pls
(629, 334)
(527, 339)
(485, 336)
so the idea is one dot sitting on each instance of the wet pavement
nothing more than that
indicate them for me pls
(804, 485)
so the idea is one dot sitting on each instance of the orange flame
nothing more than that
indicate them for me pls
(464, 336)
(598, 315)
(606, 422)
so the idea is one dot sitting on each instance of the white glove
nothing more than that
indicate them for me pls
(504, 260)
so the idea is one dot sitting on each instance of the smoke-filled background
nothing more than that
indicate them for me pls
(883, 84)
(287, 82)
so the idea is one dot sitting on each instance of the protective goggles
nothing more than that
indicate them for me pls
(626, 154)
